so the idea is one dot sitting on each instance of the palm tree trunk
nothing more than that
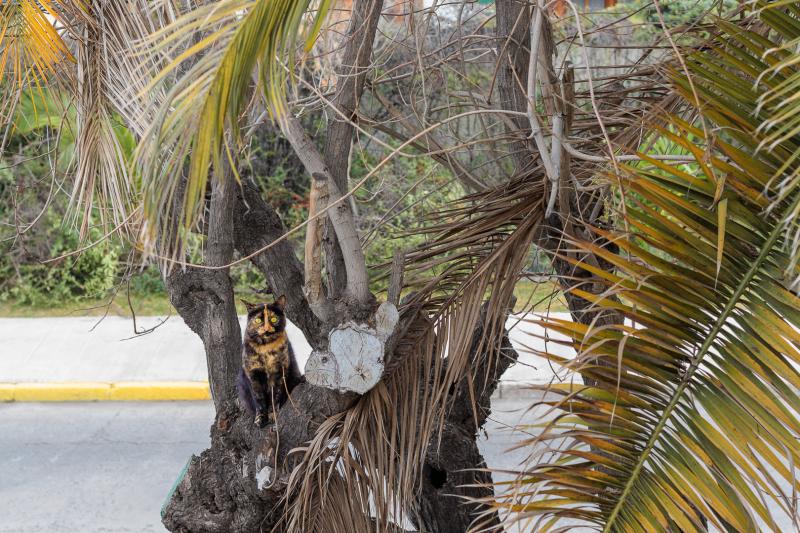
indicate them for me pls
(226, 488)
(454, 467)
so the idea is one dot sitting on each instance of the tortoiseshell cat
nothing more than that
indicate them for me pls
(269, 369)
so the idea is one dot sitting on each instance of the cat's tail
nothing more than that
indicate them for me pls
(245, 389)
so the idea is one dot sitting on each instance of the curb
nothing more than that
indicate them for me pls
(154, 391)
(126, 391)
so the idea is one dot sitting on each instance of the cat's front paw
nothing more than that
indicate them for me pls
(262, 419)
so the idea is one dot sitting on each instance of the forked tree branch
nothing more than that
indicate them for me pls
(339, 213)
(354, 62)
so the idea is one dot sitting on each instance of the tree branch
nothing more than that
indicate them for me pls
(339, 213)
(355, 61)
(256, 225)
(513, 40)
(314, 289)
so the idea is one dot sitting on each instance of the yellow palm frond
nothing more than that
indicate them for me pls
(32, 50)
(32, 47)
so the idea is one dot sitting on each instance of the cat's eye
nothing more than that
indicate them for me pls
(273, 319)
(257, 321)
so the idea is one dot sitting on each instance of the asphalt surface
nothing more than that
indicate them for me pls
(94, 467)
(107, 467)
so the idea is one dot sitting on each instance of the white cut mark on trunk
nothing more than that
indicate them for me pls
(263, 473)
(354, 359)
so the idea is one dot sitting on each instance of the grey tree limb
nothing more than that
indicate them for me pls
(339, 213)
(354, 63)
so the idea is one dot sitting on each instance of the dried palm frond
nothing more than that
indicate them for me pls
(102, 183)
(693, 417)
(112, 101)
(216, 50)
(377, 448)
(82, 52)
(125, 28)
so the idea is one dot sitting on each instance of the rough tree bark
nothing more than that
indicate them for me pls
(513, 41)
(204, 298)
(453, 464)
(226, 487)
(230, 486)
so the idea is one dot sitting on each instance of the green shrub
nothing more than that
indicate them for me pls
(677, 12)
(147, 282)
(90, 274)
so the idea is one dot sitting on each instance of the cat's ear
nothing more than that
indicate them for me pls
(250, 307)
(281, 301)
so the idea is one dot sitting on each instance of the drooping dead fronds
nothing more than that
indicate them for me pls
(82, 52)
(102, 185)
(377, 448)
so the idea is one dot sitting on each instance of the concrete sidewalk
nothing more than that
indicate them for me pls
(102, 353)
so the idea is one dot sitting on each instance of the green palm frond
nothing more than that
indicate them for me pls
(693, 419)
(780, 100)
(216, 51)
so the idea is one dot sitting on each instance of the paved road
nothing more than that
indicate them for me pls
(93, 467)
(106, 467)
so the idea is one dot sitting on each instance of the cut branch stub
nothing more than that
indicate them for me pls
(354, 360)
(314, 289)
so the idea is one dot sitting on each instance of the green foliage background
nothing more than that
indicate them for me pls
(112, 268)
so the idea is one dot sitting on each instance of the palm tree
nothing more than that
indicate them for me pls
(184, 83)
(679, 416)
(689, 414)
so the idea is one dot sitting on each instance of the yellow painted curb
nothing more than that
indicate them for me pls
(98, 391)
(60, 392)
(159, 391)
(6, 392)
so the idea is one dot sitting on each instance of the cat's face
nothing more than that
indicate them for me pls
(265, 319)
